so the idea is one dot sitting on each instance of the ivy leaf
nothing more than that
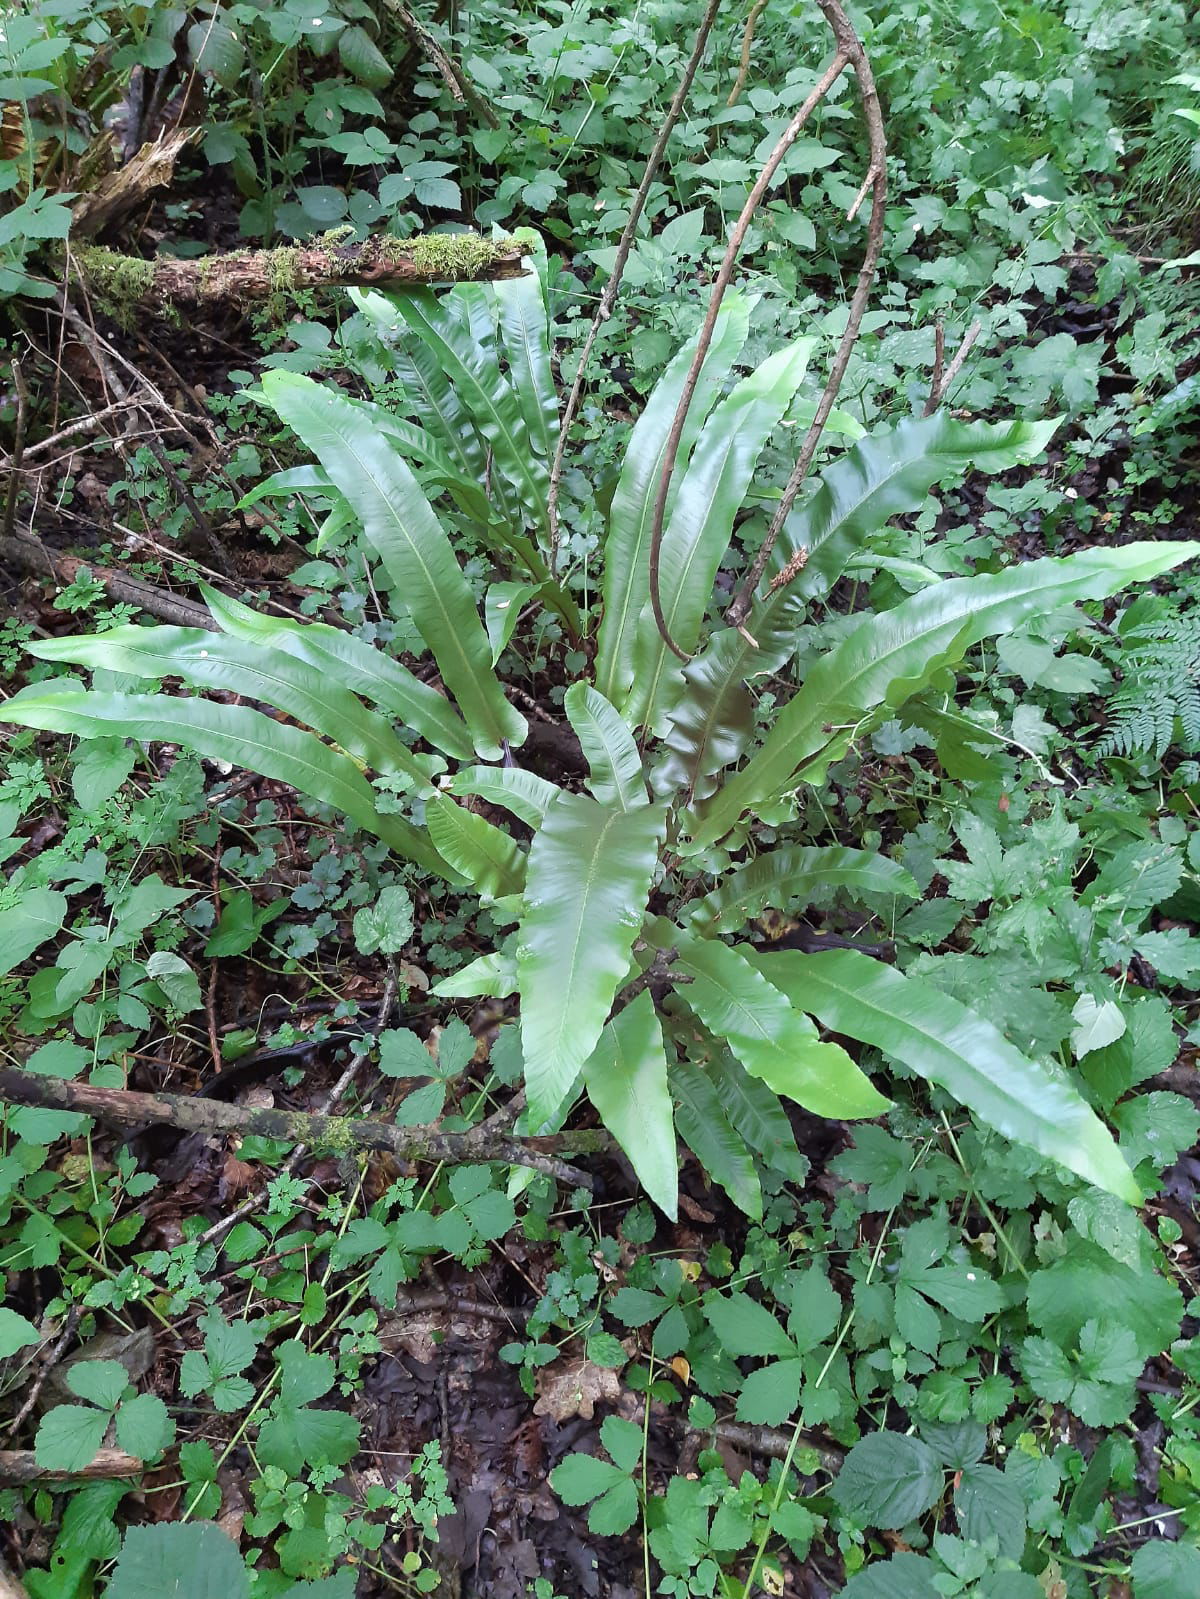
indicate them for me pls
(888, 1480)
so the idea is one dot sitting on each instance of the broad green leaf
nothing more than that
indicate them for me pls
(939, 1038)
(386, 924)
(888, 474)
(1164, 1570)
(38, 914)
(484, 854)
(626, 1080)
(69, 1436)
(795, 872)
(888, 1480)
(744, 1327)
(254, 670)
(472, 366)
(357, 666)
(885, 475)
(700, 525)
(15, 1333)
(502, 610)
(614, 763)
(316, 1436)
(588, 878)
(627, 546)
(493, 975)
(178, 1560)
(755, 1112)
(99, 770)
(773, 1040)
(525, 333)
(889, 657)
(232, 733)
(706, 1130)
(143, 1426)
(770, 1395)
(525, 794)
(402, 528)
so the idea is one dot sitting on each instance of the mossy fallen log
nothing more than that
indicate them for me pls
(125, 285)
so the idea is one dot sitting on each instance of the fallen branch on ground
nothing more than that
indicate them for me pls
(121, 284)
(19, 1466)
(323, 1134)
(31, 556)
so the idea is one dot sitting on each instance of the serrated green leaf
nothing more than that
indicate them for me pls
(38, 915)
(143, 1427)
(744, 1327)
(69, 1436)
(362, 57)
(15, 1333)
(771, 1395)
(991, 1505)
(174, 1560)
(942, 1040)
(888, 1480)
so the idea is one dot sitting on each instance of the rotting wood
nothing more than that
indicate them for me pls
(121, 191)
(19, 1466)
(29, 555)
(323, 1134)
(124, 284)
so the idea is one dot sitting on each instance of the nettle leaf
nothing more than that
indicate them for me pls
(15, 1333)
(69, 1436)
(744, 1327)
(144, 1428)
(588, 878)
(770, 1395)
(1164, 1570)
(888, 1480)
(991, 1505)
(902, 1577)
(183, 1561)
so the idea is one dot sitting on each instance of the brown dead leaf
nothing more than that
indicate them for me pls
(574, 1388)
(693, 1211)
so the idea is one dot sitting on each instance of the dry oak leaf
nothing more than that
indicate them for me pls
(574, 1388)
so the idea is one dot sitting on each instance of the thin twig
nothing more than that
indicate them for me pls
(18, 449)
(942, 384)
(608, 296)
(739, 83)
(49, 1360)
(460, 87)
(850, 48)
(724, 277)
(939, 367)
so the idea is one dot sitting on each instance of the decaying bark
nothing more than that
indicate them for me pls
(323, 1134)
(31, 556)
(124, 284)
(121, 191)
(20, 1466)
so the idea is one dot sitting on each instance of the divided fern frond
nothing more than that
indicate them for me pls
(1158, 702)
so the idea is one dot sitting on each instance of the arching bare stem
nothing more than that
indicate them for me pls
(625, 244)
(850, 48)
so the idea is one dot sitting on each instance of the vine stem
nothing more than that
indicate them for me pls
(723, 279)
(875, 183)
(608, 297)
